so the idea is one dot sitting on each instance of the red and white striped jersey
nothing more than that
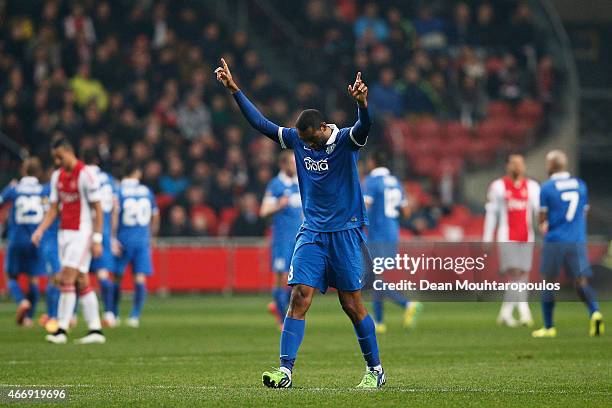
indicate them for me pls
(75, 190)
(511, 207)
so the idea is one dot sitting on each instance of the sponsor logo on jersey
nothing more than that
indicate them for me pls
(330, 148)
(312, 165)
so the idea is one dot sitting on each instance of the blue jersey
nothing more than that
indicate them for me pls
(329, 180)
(50, 235)
(384, 195)
(286, 222)
(27, 211)
(136, 207)
(566, 200)
(107, 199)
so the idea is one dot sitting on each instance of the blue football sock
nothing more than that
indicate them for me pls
(106, 293)
(116, 297)
(397, 297)
(548, 305)
(33, 297)
(15, 290)
(366, 335)
(279, 298)
(52, 296)
(377, 305)
(291, 338)
(588, 296)
(140, 293)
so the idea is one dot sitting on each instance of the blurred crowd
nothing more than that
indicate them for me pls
(134, 80)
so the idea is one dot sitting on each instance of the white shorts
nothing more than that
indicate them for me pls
(75, 249)
(515, 255)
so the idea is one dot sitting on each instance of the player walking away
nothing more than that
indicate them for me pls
(385, 201)
(136, 221)
(563, 205)
(512, 204)
(330, 241)
(21, 256)
(50, 255)
(282, 201)
(104, 264)
(75, 196)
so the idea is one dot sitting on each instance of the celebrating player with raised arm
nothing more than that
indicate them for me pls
(75, 196)
(330, 241)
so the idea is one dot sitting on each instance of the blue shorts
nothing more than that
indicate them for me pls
(104, 261)
(140, 258)
(25, 258)
(337, 259)
(572, 256)
(50, 254)
(282, 253)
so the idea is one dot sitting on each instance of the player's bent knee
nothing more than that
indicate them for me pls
(140, 278)
(300, 301)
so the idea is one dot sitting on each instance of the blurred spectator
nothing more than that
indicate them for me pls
(174, 181)
(177, 223)
(371, 23)
(486, 30)
(460, 30)
(384, 97)
(87, 89)
(79, 23)
(248, 223)
(471, 101)
(416, 100)
(193, 117)
(430, 29)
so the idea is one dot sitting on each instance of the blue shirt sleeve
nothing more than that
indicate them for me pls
(8, 194)
(361, 128)
(544, 200)
(255, 118)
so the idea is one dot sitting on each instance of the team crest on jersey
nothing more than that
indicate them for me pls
(330, 148)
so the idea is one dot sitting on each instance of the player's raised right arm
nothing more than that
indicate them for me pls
(250, 112)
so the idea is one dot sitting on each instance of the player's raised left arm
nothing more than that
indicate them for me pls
(359, 92)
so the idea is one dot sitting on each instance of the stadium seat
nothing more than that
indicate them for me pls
(428, 129)
(399, 134)
(499, 109)
(163, 201)
(530, 111)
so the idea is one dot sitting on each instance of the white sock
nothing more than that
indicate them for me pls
(91, 313)
(67, 300)
(524, 311)
(506, 310)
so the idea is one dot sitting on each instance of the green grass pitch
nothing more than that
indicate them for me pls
(211, 350)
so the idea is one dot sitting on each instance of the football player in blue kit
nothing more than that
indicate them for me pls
(103, 265)
(136, 221)
(330, 247)
(564, 203)
(282, 201)
(386, 202)
(27, 196)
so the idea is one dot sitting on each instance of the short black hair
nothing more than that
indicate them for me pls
(379, 157)
(129, 168)
(309, 118)
(90, 156)
(62, 141)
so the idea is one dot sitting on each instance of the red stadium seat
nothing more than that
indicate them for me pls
(399, 134)
(227, 217)
(427, 129)
(455, 130)
(518, 132)
(163, 201)
(530, 111)
(499, 109)
(425, 165)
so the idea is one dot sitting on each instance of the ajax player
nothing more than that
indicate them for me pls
(104, 264)
(282, 201)
(513, 202)
(75, 197)
(137, 220)
(330, 245)
(563, 205)
(26, 214)
(385, 199)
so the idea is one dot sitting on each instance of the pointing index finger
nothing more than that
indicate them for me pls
(224, 64)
